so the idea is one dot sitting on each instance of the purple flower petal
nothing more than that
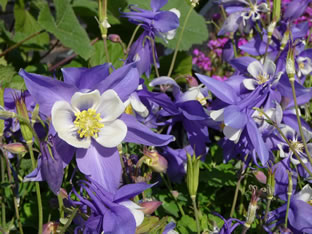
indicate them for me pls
(234, 118)
(101, 164)
(47, 91)
(128, 191)
(157, 4)
(138, 133)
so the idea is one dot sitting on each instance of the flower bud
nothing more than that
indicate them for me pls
(290, 184)
(174, 193)
(192, 174)
(155, 161)
(22, 111)
(150, 206)
(285, 40)
(114, 38)
(63, 193)
(290, 65)
(15, 148)
(260, 176)
(271, 184)
(271, 30)
(49, 228)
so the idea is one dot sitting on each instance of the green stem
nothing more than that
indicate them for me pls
(267, 209)
(40, 212)
(63, 230)
(11, 180)
(20, 43)
(170, 191)
(288, 205)
(154, 55)
(132, 38)
(196, 213)
(299, 121)
(61, 205)
(179, 41)
(2, 201)
(106, 48)
(236, 195)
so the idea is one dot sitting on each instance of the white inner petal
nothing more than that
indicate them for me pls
(250, 84)
(63, 123)
(112, 134)
(138, 106)
(305, 194)
(217, 115)
(232, 134)
(110, 106)
(84, 101)
(136, 211)
(255, 69)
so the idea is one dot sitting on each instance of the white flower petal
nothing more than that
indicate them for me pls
(112, 134)
(250, 84)
(84, 101)
(138, 106)
(232, 134)
(217, 115)
(63, 122)
(110, 106)
(269, 67)
(255, 69)
(305, 194)
(136, 211)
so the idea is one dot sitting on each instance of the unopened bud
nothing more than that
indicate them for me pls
(290, 184)
(285, 40)
(260, 176)
(271, 30)
(174, 193)
(271, 184)
(155, 161)
(63, 193)
(15, 148)
(50, 227)
(114, 38)
(150, 206)
(290, 65)
(192, 174)
(22, 111)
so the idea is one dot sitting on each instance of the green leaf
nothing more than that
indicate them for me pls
(169, 205)
(187, 225)
(220, 175)
(26, 25)
(66, 27)
(115, 53)
(195, 32)
(3, 4)
(7, 74)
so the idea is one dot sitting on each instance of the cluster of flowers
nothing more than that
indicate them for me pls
(93, 111)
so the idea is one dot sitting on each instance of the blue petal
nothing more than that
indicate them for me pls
(193, 110)
(157, 4)
(47, 91)
(101, 164)
(234, 118)
(140, 134)
(128, 191)
(86, 78)
(124, 81)
(257, 142)
(220, 89)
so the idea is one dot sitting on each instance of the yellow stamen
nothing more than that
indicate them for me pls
(301, 65)
(310, 202)
(298, 146)
(262, 78)
(129, 110)
(88, 123)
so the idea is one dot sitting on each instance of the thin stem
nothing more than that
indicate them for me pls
(20, 43)
(267, 209)
(299, 121)
(170, 191)
(154, 55)
(286, 215)
(196, 213)
(132, 38)
(72, 216)
(40, 212)
(2, 201)
(179, 41)
(49, 51)
(11, 180)
(106, 48)
(61, 205)
(236, 195)
(68, 58)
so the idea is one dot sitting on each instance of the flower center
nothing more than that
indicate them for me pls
(310, 202)
(88, 123)
(262, 78)
(298, 146)
(301, 65)
(129, 110)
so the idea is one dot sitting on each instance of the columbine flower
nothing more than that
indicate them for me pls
(244, 12)
(110, 211)
(87, 115)
(90, 115)
(262, 74)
